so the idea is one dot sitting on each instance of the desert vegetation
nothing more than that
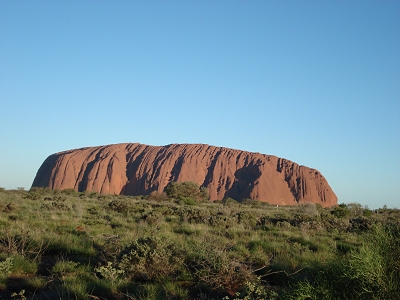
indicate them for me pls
(179, 245)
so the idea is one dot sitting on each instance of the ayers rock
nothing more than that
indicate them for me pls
(136, 169)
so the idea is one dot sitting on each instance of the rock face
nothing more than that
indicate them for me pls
(136, 169)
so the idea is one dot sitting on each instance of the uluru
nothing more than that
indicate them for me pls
(137, 169)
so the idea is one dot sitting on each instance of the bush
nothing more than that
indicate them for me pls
(187, 189)
(221, 272)
(109, 272)
(229, 201)
(9, 207)
(150, 258)
(373, 272)
(367, 213)
(308, 209)
(63, 267)
(42, 190)
(118, 206)
(153, 218)
(340, 211)
(156, 196)
(33, 195)
(187, 201)
(256, 291)
(5, 266)
(70, 192)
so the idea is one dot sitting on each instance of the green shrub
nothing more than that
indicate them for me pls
(248, 219)
(33, 195)
(153, 218)
(221, 272)
(74, 287)
(21, 243)
(256, 291)
(187, 201)
(118, 206)
(5, 266)
(70, 192)
(355, 209)
(173, 290)
(186, 189)
(345, 247)
(367, 213)
(373, 272)
(41, 190)
(150, 258)
(9, 207)
(24, 265)
(156, 196)
(340, 211)
(185, 229)
(109, 272)
(194, 214)
(309, 209)
(229, 202)
(64, 267)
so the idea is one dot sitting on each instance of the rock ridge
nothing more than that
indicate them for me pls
(137, 169)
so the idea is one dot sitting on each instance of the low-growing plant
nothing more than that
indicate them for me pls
(340, 211)
(186, 201)
(19, 295)
(254, 290)
(64, 267)
(229, 202)
(109, 272)
(5, 266)
(156, 196)
(70, 192)
(9, 207)
(150, 258)
(120, 206)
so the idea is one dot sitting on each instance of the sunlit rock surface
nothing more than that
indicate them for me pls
(136, 169)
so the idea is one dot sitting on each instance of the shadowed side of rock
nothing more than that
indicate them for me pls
(136, 169)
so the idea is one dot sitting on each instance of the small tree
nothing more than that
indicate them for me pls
(229, 201)
(340, 211)
(355, 209)
(186, 189)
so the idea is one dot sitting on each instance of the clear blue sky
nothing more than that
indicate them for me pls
(316, 82)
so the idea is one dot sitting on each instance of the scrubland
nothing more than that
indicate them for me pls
(72, 245)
